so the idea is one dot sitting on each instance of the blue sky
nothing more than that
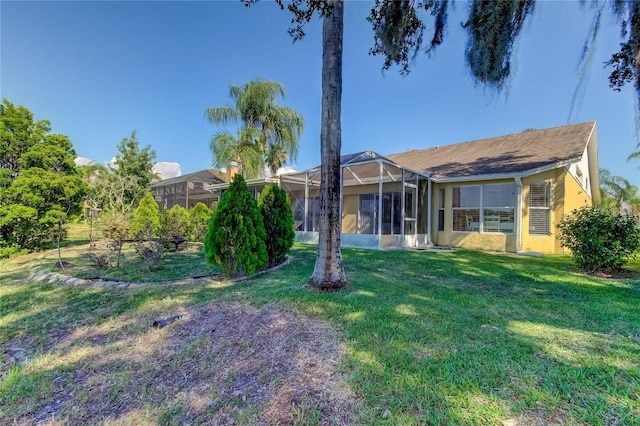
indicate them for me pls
(98, 70)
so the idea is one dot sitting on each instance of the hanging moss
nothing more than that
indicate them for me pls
(492, 29)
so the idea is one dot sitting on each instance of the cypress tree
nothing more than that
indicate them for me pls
(147, 213)
(275, 208)
(236, 235)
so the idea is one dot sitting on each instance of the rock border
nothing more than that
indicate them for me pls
(46, 276)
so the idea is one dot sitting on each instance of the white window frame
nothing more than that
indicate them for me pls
(546, 208)
(481, 211)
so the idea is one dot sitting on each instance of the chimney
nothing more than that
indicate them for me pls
(232, 170)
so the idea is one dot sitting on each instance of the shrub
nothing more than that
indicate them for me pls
(175, 221)
(235, 239)
(146, 219)
(275, 208)
(199, 220)
(599, 240)
(115, 229)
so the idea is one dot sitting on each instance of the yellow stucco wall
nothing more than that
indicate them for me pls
(566, 195)
(542, 243)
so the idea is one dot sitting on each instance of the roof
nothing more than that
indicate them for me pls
(207, 175)
(510, 154)
(355, 158)
(362, 167)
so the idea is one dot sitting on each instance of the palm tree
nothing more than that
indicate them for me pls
(255, 106)
(90, 172)
(618, 194)
(328, 273)
(276, 158)
(242, 151)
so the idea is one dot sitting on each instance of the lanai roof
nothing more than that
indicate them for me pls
(510, 154)
(207, 175)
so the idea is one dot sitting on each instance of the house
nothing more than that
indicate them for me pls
(188, 190)
(505, 193)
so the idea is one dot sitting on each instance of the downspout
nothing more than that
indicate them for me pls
(429, 207)
(518, 224)
(379, 218)
(306, 201)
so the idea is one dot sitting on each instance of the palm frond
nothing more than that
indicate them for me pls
(222, 115)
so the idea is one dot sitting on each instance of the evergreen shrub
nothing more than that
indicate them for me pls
(275, 208)
(236, 235)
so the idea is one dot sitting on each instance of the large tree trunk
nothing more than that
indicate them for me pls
(329, 273)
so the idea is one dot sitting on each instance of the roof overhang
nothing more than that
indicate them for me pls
(499, 176)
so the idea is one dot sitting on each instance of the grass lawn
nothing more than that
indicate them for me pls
(425, 338)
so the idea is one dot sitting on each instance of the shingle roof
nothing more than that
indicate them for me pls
(207, 175)
(515, 153)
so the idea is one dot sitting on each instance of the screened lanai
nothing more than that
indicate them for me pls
(383, 204)
(188, 190)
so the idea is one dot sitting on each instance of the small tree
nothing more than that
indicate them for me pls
(175, 221)
(235, 240)
(599, 240)
(115, 229)
(275, 208)
(199, 220)
(146, 218)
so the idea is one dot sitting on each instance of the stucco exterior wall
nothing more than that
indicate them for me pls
(350, 213)
(542, 243)
(567, 194)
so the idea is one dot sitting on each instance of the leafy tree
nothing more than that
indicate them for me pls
(18, 134)
(492, 27)
(199, 217)
(135, 163)
(243, 151)
(146, 219)
(39, 185)
(236, 235)
(256, 107)
(275, 209)
(599, 240)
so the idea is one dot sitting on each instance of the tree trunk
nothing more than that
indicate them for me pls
(328, 273)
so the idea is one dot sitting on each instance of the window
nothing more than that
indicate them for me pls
(540, 208)
(466, 208)
(441, 209)
(499, 202)
(484, 208)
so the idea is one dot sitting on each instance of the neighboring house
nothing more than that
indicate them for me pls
(502, 194)
(188, 190)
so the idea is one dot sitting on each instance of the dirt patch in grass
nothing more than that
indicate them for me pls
(220, 363)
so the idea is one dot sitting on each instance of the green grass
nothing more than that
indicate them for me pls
(431, 338)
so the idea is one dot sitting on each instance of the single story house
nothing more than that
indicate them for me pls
(502, 194)
(188, 190)
(505, 193)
